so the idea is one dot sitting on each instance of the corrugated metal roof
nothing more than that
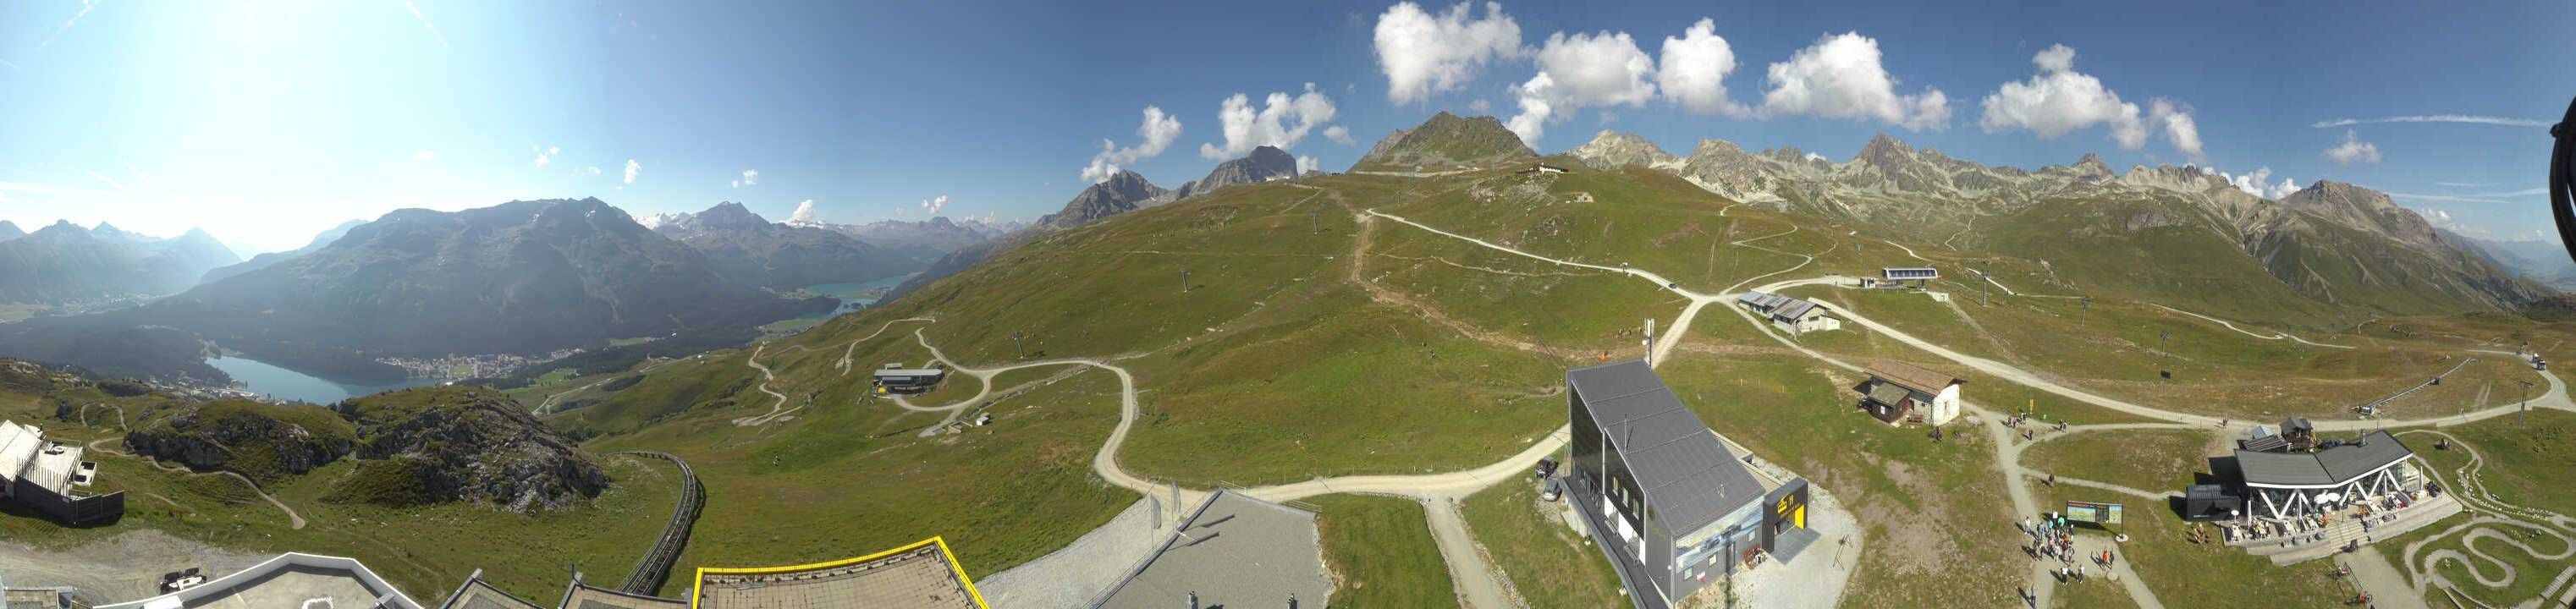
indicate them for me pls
(1689, 477)
(1888, 393)
(2326, 467)
(1793, 309)
(2266, 443)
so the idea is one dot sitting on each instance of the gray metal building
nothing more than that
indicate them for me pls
(1670, 503)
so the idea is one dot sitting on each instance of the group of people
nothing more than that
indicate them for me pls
(2016, 422)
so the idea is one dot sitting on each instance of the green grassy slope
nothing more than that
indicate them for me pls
(1380, 552)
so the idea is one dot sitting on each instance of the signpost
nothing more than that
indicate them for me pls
(2104, 514)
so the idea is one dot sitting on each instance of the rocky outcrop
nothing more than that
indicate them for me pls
(471, 444)
(265, 442)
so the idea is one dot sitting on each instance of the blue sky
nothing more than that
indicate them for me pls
(267, 122)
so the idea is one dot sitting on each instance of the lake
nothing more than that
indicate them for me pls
(853, 297)
(267, 379)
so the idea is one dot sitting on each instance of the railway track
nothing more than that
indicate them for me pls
(656, 566)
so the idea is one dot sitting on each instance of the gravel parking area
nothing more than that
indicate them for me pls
(117, 569)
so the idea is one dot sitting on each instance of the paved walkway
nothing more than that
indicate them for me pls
(2386, 585)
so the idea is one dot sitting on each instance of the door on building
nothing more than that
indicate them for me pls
(1799, 516)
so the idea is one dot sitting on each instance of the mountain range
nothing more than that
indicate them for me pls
(9, 230)
(2150, 230)
(65, 263)
(1122, 192)
(743, 246)
(262, 261)
(520, 277)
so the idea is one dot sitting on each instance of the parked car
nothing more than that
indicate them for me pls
(1546, 467)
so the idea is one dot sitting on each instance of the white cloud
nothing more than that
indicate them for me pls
(2060, 99)
(590, 170)
(1694, 69)
(1816, 157)
(1535, 108)
(1339, 135)
(804, 212)
(2352, 150)
(1841, 76)
(2177, 124)
(1422, 53)
(633, 168)
(2252, 183)
(425, 155)
(546, 155)
(1308, 163)
(749, 178)
(2433, 118)
(1603, 69)
(1282, 122)
(934, 204)
(1156, 133)
(1480, 106)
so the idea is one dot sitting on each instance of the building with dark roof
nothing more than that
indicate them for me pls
(1898, 391)
(1901, 276)
(894, 378)
(1795, 315)
(1669, 503)
(2299, 483)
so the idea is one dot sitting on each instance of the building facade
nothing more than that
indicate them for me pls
(1666, 500)
(52, 478)
(2288, 484)
(1899, 392)
(1793, 315)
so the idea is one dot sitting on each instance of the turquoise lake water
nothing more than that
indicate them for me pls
(267, 379)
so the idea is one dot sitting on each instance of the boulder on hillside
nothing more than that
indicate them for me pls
(264, 442)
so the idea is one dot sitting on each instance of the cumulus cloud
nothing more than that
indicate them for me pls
(546, 155)
(1603, 69)
(2179, 129)
(1339, 135)
(2252, 183)
(2433, 118)
(1154, 135)
(2059, 99)
(633, 168)
(1422, 53)
(1308, 163)
(1840, 76)
(1694, 68)
(1282, 121)
(2353, 150)
(1480, 106)
(804, 212)
(749, 178)
(934, 204)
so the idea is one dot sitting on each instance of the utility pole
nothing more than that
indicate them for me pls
(1185, 281)
(2525, 414)
(2081, 317)
(1314, 222)
(1018, 346)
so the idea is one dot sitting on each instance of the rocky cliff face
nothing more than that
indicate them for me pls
(1121, 193)
(470, 444)
(751, 249)
(265, 442)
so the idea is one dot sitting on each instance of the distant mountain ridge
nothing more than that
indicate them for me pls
(1123, 192)
(522, 277)
(751, 249)
(264, 260)
(1264, 164)
(9, 230)
(2331, 243)
(64, 263)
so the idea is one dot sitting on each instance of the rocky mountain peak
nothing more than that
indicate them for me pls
(9, 230)
(1447, 140)
(729, 214)
(2092, 165)
(1885, 152)
(1610, 149)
